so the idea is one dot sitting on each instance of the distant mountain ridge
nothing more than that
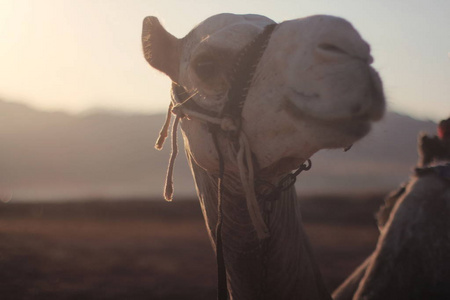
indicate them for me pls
(55, 155)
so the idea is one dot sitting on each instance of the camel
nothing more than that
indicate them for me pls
(435, 148)
(412, 256)
(255, 100)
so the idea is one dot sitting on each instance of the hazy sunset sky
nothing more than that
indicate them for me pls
(77, 55)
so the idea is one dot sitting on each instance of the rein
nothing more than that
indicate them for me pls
(243, 73)
(228, 121)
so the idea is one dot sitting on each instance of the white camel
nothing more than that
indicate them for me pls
(255, 100)
(412, 256)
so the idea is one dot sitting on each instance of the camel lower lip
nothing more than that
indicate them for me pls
(291, 107)
(355, 127)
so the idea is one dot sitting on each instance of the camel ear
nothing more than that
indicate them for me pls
(161, 49)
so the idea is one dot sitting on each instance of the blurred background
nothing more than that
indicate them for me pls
(80, 110)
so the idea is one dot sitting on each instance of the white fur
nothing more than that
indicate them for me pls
(305, 95)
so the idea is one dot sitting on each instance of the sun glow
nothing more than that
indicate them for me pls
(78, 55)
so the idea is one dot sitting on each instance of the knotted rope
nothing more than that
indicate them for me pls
(244, 161)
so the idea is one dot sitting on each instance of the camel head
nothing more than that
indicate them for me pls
(313, 87)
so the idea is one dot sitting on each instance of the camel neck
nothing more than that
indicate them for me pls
(280, 267)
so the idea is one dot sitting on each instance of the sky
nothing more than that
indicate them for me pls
(84, 55)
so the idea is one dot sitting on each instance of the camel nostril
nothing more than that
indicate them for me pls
(331, 48)
(330, 52)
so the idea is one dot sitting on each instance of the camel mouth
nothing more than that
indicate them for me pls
(297, 111)
(343, 103)
(353, 127)
(343, 92)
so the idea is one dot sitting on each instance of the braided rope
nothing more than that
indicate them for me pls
(246, 172)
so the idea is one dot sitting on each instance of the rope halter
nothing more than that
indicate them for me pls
(228, 121)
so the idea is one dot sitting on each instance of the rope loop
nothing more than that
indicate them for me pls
(304, 167)
(290, 179)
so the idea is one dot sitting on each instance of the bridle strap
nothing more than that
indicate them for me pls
(181, 101)
(241, 79)
(243, 73)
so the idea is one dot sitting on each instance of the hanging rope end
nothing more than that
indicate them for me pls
(168, 187)
(160, 142)
(164, 130)
(168, 198)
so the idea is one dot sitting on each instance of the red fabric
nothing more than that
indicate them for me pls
(444, 129)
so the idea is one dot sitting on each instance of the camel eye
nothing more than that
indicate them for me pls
(206, 69)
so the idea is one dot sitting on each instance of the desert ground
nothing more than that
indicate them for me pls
(151, 249)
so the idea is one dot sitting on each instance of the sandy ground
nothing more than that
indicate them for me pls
(137, 249)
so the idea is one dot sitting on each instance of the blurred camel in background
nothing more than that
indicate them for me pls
(412, 256)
